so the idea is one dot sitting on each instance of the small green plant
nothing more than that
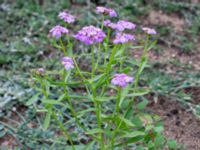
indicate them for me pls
(102, 98)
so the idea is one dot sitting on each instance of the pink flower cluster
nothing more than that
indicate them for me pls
(122, 38)
(121, 80)
(149, 31)
(123, 24)
(66, 17)
(68, 63)
(58, 31)
(40, 71)
(106, 11)
(109, 24)
(90, 35)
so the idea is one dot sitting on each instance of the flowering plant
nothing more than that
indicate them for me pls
(103, 100)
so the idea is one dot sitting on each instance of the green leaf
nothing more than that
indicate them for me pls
(127, 122)
(52, 102)
(47, 119)
(94, 131)
(136, 47)
(95, 78)
(2, 133)
(137, 121)
(80, 97)
(124, 93)
(100, 82)
(140, 148)
(159, 129)
(61, 97)
(152, 45)
(89, 146)
(133, 134)
(41, 110)
(77, 147)
(139, 92)
(159, 140)
(32, 99)
(172, 144)
(104, 99)
(81, 113)
(142, 104)
(130, 141)
(1, 127)
(143, 65)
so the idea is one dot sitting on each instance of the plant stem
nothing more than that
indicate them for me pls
(102, 24)
(98, 115)
(63, 47)
(122, 60)
(144, 55)
(108, 67)
(107, 46)
(93, 63)
(117, 110)
(69, 102)
(63, 130)
(70, 52)
(143, 61)
(98, 57)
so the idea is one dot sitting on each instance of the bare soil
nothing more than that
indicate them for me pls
(179, 124)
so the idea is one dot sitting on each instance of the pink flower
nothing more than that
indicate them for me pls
(106, 11)
(123, 24)
(68, 63)
(109, 24)
(66, 17)
(40, 71)
(58, 31)
(90, 35)
(149, 31)
(122, 38)
(121, 80)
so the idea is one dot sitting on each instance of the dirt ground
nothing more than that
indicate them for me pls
(179, 124)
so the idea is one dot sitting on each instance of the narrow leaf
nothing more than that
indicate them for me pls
(52, 102)
(133, 134)
(32, 99)
(94, 131)
(124, 93)
(47, 118)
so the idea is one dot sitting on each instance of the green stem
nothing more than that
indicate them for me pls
(99, 48)
(102, 24)
(118, 100)
(63, 130)
(122, 60)
(107, 46)
(69, 101)
(117, 111)
(144, 55)
(140, 69)
(70, 52)
(93, 63)
(63, 47)
(98, 57)
(98, 115)
(47, 106)
(108, 67)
